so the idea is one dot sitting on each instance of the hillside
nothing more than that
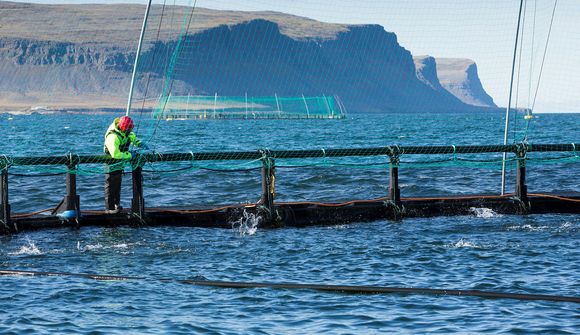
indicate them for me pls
(81, 56)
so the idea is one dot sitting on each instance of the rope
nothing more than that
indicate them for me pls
(27, 215)
(152, 62)
(553, 196)
(545, 52)
(350, 289)
(315, 203)
(37, 174)
(454, 157)
(172, 63)
(7, 162)
(200, 211)
(352, 202)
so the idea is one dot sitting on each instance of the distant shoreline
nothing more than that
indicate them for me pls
(109, 111)
(63, 111)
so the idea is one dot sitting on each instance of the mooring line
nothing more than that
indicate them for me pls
(317, 287)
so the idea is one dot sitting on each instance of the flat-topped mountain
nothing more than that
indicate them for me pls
(456, 76)
(81, 56)
(459, 76)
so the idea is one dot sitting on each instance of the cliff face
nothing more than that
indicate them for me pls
(459, 76)
(427, 72)
(364, 65)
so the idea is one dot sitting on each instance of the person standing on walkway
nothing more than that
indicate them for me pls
(118, 138)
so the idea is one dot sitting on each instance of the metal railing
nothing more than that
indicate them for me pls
(268, 158)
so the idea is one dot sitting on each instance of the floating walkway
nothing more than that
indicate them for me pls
(273, 214)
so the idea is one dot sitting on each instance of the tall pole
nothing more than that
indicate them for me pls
(507, 112)
(137, 57)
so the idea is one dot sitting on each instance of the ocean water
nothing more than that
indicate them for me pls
(536, 254)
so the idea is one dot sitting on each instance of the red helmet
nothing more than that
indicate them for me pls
(126, 124)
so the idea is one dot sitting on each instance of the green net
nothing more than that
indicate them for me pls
(379, 157)
(256, 60)
(218, 107)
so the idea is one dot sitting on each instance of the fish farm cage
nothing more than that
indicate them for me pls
(197, 107)
(274, 213)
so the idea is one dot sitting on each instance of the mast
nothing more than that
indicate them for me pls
(507, 112)
(137, 57)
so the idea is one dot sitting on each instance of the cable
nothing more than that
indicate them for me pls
(362, 289)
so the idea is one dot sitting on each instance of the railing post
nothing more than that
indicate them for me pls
(72, 199)
(268, 182)
(4, 204)
(394, 191)
(69, 207)
(521, 187)
(138, 202)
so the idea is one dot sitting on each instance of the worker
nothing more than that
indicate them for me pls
(118, 138)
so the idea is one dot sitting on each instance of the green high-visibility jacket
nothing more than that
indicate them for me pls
(117, 142)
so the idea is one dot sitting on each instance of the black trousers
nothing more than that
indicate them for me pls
(113, 189)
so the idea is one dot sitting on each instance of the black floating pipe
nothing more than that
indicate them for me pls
(317, 153)
(326, 288)
(384, 290)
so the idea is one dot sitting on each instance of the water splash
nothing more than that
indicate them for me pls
(564, 227)
(463, 243)
(485, 213)
(88, 247)
(247, 224)
(567, 226)
(31, 249)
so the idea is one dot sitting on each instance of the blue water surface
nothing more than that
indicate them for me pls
(535, 254)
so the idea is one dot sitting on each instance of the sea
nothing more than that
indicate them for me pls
(485, 250)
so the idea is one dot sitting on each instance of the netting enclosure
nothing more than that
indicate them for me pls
(275, 107)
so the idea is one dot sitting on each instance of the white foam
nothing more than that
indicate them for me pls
(462, 243)
(30, 249)
(485, 213)
(91, 247)
(338, 226)
(247, 224)
(527, 227)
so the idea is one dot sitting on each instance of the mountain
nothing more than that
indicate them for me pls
(81, 56)
(456, 76)
(459, 76)
(427, 70)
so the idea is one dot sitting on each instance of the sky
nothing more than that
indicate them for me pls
(483, 31)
